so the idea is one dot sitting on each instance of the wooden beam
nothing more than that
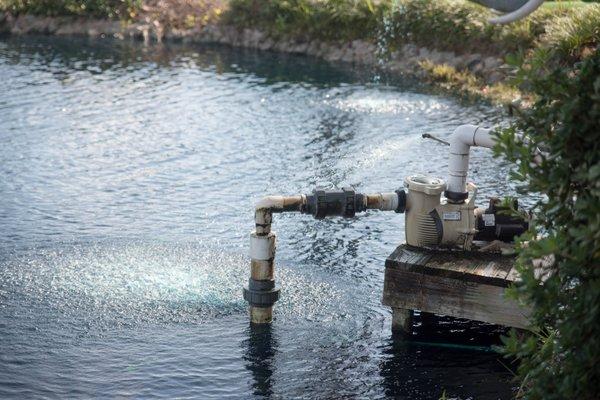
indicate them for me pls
(402, 320)
(464, 285)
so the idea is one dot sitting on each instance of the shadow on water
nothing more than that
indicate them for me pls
(415, 370)
(444, 355)
(456, 332)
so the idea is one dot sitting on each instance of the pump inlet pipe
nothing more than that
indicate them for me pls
(261, 293)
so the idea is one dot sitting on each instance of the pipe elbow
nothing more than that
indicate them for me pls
(461, 141)
(462, 138)
(269, 203)
(468, 135)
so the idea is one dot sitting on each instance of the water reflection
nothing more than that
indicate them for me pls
(260, 351)
(444, 355)
(63, 58)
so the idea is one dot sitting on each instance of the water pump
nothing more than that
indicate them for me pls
(439, 215)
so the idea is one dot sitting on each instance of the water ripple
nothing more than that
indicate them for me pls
(127, 178)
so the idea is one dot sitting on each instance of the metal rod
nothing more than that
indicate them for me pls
(430, 136)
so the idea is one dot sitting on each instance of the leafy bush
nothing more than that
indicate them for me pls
(94, 8)
(560, 361)
(457, 25)
(181, 14)
(461, 26)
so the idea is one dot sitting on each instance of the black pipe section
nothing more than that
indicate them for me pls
(344, 202)
(401, 201)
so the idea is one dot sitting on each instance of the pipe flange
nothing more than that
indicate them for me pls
(261, 286)
(349, 209)
(401, 201)
(456, 196)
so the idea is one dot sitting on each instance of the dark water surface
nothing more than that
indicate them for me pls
(127, 178)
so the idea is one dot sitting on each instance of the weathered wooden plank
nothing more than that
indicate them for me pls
(409, 289)
(492, 269)
(483, 268)
(407, 256)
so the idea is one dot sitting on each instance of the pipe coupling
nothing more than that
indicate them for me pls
(261, 293)
(401, 201)
(343, 202)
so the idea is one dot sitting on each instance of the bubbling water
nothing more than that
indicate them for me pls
(129, 283)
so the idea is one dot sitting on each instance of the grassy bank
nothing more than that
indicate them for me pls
(452, 25)
(557, 33)
(447, 25)
(455, 25)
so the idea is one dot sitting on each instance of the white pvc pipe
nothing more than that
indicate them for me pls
(262, 247)
(461, 141)
(265, 207)
(269, 202)
(518, 14)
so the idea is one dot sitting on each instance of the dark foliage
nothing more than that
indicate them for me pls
(560, 361)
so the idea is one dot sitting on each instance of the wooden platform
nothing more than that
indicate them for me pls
(459, 284)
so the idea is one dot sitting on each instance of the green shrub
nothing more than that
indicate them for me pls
(306, 19)
(560, 361)
(93, 8)
(461, 26)
(457, 25)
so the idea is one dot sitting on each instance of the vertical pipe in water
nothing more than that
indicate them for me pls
(261, 292)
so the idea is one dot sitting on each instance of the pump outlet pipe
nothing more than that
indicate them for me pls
(261, 292)
(461, 141)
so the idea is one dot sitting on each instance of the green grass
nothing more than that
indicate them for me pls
(567, 36)
(306, 19)
(567, 4)
(461, 26)
(469, 86)
(456, 25)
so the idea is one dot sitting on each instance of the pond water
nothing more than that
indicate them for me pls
(127, 179)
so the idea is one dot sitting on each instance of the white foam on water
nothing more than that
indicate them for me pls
(382, 102)
(124, 284)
